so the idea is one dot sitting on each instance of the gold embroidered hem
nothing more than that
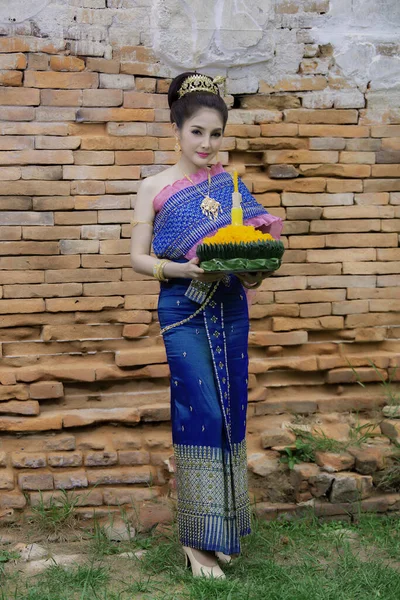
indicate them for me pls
(213, 500)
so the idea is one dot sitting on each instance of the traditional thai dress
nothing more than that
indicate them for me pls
(208, 360)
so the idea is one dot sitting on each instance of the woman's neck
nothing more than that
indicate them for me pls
(187, 167)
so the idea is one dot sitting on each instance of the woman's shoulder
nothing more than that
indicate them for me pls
(155, 183)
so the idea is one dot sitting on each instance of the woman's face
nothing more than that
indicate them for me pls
(201, 136)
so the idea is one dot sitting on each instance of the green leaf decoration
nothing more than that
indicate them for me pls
(238, 265)
(247, 250)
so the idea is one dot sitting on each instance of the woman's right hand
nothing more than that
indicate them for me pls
(191, 270)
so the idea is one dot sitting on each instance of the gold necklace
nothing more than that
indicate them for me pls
(209, 206)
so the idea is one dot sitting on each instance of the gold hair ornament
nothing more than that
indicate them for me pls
(200, 83)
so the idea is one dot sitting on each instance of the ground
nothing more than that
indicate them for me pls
(296, 559)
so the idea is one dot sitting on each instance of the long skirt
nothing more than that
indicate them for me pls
(208, 360)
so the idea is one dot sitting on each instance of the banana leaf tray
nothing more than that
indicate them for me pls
(241, 257)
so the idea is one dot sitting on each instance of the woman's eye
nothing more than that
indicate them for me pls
(217, 135)
(196, 131)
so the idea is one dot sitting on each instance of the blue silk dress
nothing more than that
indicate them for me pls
(208, 359)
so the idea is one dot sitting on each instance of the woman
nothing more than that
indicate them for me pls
(204, 322)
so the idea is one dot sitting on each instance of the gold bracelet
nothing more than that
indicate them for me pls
(158, 270)
(162, 267)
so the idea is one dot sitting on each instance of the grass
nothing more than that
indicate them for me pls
(285, 559)
(56, 516)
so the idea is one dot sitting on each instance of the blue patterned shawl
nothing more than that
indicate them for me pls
(180, 224)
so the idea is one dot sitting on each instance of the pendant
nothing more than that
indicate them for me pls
(210, 207)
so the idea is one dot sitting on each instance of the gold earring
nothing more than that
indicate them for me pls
(177, 146)
(217, 156)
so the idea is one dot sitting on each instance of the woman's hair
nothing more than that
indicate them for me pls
(186, 107)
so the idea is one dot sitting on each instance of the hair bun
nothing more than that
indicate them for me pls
(175, 85)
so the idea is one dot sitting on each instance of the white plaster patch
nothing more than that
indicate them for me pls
(213, 32)
(18, 11)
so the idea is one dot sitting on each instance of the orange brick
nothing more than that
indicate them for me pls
(38, 262)
(10, 174)
(294, 199)
(279, 129)
(338, 170)
(164, 158)
(75, 218)
(345, 131)
(38, 62)
(341, 186)
(46, 389)
(11, 78)
(81, 275)
(373, 268)
(336, 256)
(53, 142)
(50, 233)
(371, 240)
(301, 156)
(382, 185)
(114, 114)
(10, 233)
(33, 128)
(135, 331)
(310, 324)
(321, 116)
(80, 304)
(102, 97)
(17, 113)
(119, 143)
(383, 131)
(47, 79)
(359, 212)
(13, 61)
(42, 290)
(142, 356)
(388, 254)
(66, 63)
(246, 131)
(140, 100)
(390, 143)
(102, 65)
(7, 248)
(25, 97)
(139, 68)
(86, 157)
(315, 310)
(146, 84)
(361, 158)
(121, 288)
(309, 241)
(341, 226)
(38, 157)
(294, 84)
(55, 113)
(108, 172)
(29, 44)
(264, 184)
(385, 171)
(21, 306)
(60, 97)
(36, 481)
(144, 157)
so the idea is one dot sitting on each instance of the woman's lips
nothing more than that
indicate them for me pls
(203, 154)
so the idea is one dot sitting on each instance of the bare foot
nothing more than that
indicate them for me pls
(205, 558)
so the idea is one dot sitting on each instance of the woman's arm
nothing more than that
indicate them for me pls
(142, 235)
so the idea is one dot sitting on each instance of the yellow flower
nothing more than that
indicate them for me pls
(234, 234)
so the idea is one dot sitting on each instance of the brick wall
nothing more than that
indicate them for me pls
(84, 398)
